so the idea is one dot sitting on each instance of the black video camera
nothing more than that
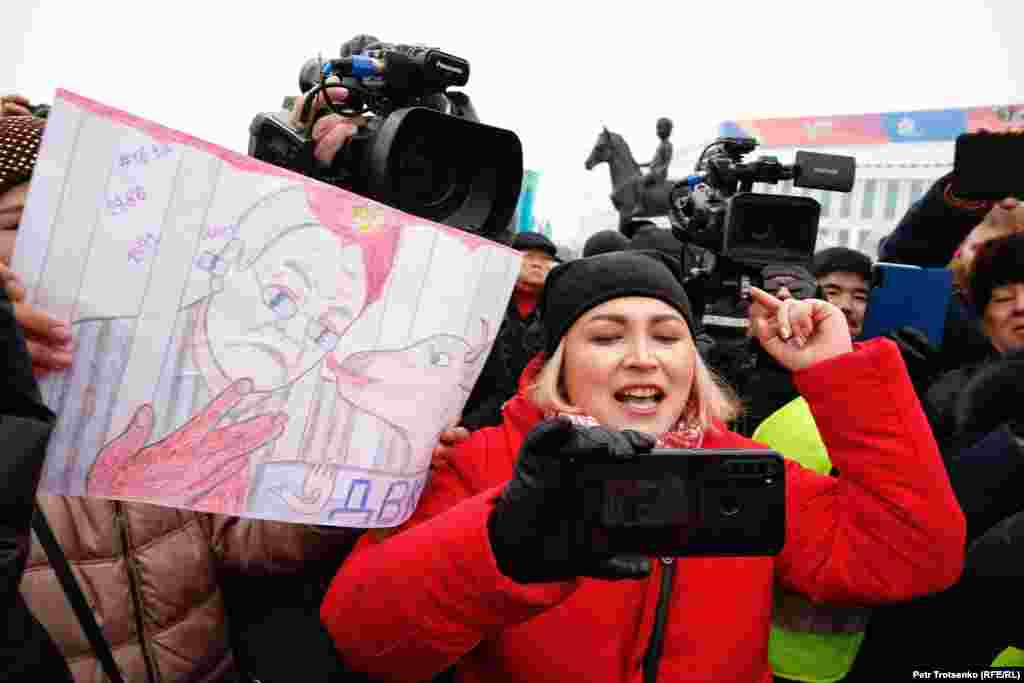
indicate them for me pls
(716, 209)
(420, 148)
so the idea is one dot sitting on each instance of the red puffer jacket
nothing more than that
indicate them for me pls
(889, 528)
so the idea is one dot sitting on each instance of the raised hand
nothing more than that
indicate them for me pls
(190, 463)
(798, 333)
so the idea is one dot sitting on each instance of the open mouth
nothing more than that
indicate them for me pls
(640, 398)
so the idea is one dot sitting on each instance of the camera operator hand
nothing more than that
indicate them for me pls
(531, 526)
(798, 333)
(330, 131)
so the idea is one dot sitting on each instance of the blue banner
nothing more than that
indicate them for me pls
(925, 126)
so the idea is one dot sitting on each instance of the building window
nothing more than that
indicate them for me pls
(862, 241)
(846, 205)
(916, 190)
(892, 198)
(867, 209)
(825, 199)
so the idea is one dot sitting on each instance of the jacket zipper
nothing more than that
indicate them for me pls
(652, 658)
(129, 562)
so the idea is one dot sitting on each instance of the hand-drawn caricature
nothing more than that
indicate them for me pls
(410, 391)
(247, 341)
(280, 299)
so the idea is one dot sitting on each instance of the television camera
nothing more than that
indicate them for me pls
(419, 147)
(716, 208)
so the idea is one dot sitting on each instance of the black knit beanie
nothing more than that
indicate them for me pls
(999, 262)
(658, 239)
(802, 284)
(574, 288)
(604, 242)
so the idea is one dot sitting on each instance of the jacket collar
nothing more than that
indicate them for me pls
(520, 411)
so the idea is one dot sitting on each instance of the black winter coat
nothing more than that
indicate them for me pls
(518, 341)
(26, 650)
(987, 475)
(931, 230)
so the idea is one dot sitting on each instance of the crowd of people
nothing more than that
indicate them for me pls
(902, 520)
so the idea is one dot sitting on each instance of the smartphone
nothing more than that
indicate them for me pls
(683, 503)
(908, 296)
(988, 166)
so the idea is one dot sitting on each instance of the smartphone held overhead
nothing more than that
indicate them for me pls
(987, 166)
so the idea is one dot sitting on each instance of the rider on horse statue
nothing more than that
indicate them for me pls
(635, 194)
(658, 173)
(662, 156)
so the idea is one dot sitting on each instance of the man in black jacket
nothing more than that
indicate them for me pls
(514, 345)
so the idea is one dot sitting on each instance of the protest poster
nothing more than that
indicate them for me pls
(248, 341)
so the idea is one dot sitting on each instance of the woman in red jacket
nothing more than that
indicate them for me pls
(485, 576)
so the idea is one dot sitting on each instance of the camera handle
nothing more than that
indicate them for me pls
(462, 107)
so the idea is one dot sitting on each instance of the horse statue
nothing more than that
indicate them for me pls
(630, 196)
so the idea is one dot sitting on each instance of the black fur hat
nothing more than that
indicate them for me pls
(999, 262)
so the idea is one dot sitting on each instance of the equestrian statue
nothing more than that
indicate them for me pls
(634, 193)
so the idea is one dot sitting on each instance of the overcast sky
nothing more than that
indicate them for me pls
(552, 72)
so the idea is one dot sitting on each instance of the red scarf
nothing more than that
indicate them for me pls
(525, 302)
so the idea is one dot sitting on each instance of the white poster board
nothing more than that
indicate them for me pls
(248, 341)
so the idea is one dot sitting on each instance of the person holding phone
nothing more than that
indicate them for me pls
(487, 575)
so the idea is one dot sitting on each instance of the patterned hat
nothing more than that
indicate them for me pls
(20, 137)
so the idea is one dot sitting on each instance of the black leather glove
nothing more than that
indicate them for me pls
(994, 397)
(923, 360)
(532, 527)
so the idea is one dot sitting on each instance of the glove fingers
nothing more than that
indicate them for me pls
(639, 441)
(620, 567)
(549, 437)
(599, 441)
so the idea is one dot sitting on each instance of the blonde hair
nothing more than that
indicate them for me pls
(711, 399)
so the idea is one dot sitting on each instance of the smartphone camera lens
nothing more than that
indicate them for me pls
(729, 506)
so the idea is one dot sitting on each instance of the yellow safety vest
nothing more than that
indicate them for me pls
(808, 642)
(1011, 656)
